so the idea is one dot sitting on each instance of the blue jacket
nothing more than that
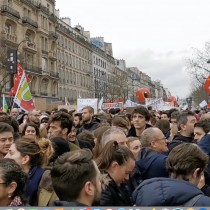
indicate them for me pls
(151, 164)
(167, 192)
(32, 184)
(204, 144)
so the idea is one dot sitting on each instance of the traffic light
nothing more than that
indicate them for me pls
(12, 61)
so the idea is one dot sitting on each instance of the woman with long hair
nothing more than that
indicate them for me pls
(117, 162)
(31, 154)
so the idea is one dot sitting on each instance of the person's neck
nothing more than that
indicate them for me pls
(139, 130)
(84, 201)
(1, 156)
(5, 202)
(26, 169)
(185, 134)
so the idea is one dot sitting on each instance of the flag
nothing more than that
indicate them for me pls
(23, 97)
(17, 79)
(100, 103)
(5, 106)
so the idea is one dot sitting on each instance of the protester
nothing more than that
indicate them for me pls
(88, 122)
(140, 119)
(14, 113)
(152, 158)
(76, 179)
(134, 145)
(201, 128)
(117, 162)
(31, 155)
(12, 181)
(31, 129)
(185, 164)
(6, 138)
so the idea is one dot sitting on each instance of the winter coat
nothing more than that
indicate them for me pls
(167, 192)
(204, 144)
(114, 195)
(32, 184)
(46, 193)
(132, 131)
(151, 164)
(178, 139)
(90, 126)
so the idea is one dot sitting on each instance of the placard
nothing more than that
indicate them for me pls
(82, 102)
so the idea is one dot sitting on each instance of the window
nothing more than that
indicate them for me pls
(44, 64)
(8, 28)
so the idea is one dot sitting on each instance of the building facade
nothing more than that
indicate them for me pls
(29, 27)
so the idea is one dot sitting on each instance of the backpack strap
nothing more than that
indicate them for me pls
(192, 201)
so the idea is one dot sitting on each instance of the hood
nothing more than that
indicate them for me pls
(165, 192)
(66, 203)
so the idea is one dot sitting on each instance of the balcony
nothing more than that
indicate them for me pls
(9, 10)
(31, 3)
(53, 18)
(30, 46)
(54, 74)
(53, 55)
(44, 94)
(10, 37)
(29, 21)
(53, 35)
(33, 69)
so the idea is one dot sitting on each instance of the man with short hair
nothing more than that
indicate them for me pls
(76, 179)
(60, 125)
(6, 138)
(152, 157)
(185, 123)
(114, 133)
(140, 119)
(164, 116)
(88, 122)
(185, 164)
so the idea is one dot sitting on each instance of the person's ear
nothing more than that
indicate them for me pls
(183, 126)
(89, 188)
(64, 131)
(197, 173)
(11, 188)
(25, 159)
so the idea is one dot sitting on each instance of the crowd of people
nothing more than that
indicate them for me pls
(64, 158)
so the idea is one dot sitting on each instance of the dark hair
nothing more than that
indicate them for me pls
(166, 113)
(143, 111)
(184, 159)
(64, 110)
(86, 135)
(12, 172)
(112, 151)
(39, 151)
(5, 127)
(65, 120)
(174, 114)
(163, 125)
(120, 122)
(182, 118)
(31, 124)
(70, 173)
(204, 124)
(79, 115)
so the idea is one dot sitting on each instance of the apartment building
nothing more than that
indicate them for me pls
(29, 27)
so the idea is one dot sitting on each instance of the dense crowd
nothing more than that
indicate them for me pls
(62, 158)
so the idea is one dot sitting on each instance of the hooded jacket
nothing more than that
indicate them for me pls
(167, 192)
(151, 164)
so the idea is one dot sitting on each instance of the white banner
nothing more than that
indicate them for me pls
(112, 105)
(130, 103)
(203, 104)
(82, 102)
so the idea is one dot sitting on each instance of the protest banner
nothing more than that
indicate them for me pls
(82, 102)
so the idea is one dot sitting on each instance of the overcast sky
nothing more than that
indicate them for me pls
(154, 35)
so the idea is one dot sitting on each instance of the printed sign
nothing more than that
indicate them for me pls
(82, 102)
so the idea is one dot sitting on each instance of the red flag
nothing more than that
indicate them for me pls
(17, 79)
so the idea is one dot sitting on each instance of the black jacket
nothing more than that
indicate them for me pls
(132, 131)
(178, 139)
(90, 126)
(114, 195)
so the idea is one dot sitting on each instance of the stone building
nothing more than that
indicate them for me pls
(29, 27)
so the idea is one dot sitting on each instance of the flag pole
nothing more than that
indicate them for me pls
(21, 80)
